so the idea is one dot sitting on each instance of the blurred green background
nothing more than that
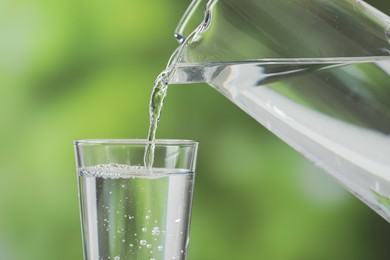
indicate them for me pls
(79, 69)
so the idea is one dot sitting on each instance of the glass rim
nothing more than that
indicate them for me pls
(166, 142)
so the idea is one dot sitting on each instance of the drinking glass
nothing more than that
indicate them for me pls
(132, 212)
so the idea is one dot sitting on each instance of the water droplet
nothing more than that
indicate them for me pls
(123, 240)
(143, 242)
(147, 217)
(117, 258)
(144, 229)
(131, 245)
(160, 248)
(149, 246)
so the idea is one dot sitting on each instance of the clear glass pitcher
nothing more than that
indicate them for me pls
(231, 30)
(314, 72)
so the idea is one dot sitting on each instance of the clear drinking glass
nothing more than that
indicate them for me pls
(129, 212)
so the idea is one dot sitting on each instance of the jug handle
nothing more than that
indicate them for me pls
(194, 13)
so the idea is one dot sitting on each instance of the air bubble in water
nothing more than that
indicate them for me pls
(160, 248)
(155, 231)
(143, 242)
(117, 258)
(149, 246)
(144, 229)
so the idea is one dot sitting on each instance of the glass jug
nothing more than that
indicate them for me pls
(314, 72)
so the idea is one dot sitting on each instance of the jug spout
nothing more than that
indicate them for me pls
(190, 20)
